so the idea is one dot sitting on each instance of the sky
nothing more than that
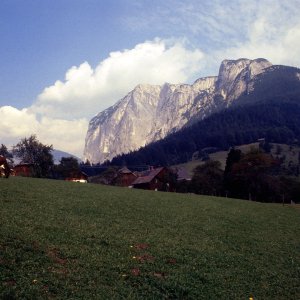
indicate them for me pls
(64, 61)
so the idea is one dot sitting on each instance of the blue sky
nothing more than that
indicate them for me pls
(42, 39)
(63, 61)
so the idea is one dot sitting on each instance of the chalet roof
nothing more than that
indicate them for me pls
(147, 176)
(124, 170)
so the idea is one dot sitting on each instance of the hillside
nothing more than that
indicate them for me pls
(276, 120)
(61, 240)
(218, 156)
(289, 155)
(270, 108)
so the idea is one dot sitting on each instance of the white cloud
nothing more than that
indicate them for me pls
(62, 134)
(61, 112)
(87, 91)
(15, 123)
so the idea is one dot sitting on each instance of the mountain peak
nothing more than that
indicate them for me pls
(151, 112)
(230, 84)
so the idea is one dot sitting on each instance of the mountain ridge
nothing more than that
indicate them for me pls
(271, 111)
(150, 112)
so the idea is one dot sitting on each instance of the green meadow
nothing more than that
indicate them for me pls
(63, 240)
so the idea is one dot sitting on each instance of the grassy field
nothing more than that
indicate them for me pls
(63, 240)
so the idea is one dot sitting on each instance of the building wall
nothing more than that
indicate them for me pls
(125, 179)
(23, 171)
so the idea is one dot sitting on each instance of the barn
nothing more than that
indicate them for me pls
(153, 179)
(124, 177)
(25, 169)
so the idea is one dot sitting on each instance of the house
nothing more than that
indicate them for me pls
(25, 169)
(78, 176)
(154, 179)
(124, 177)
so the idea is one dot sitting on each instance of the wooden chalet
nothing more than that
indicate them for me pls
(25, 170)
(153, 179)
(124, 177)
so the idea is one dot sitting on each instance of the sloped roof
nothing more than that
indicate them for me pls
(147, 176)
(124, 170)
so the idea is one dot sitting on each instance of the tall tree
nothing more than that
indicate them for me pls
(68, 167)
(208, 178)
(233, 157)
(31, 151)
(252, 177)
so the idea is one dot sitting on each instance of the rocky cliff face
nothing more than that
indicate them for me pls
(149, 113)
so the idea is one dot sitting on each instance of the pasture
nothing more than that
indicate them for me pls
(63, 240)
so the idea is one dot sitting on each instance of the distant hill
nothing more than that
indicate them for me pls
(270, 109)
(289, 155)
(58, 154)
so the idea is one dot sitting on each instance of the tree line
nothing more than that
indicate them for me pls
(276, 121)
(39, 156)
(256, 175)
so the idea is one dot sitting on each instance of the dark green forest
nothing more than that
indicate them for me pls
(277, 121)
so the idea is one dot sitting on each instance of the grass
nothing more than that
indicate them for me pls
(63, 240)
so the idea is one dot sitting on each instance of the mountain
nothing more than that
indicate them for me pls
(270, 110)
(58, 155)
(150, 112)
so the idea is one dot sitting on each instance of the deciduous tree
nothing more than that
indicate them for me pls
(31, 151)
(208, 178)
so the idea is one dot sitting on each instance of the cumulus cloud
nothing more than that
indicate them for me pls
(15, 123)
(60, 114)
(86, 90)
(62, 134)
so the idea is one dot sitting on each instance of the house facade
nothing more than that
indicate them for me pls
(25, 170)
(124, 177)
(154, 179)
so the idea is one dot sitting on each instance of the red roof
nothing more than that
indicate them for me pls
(147, 176)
